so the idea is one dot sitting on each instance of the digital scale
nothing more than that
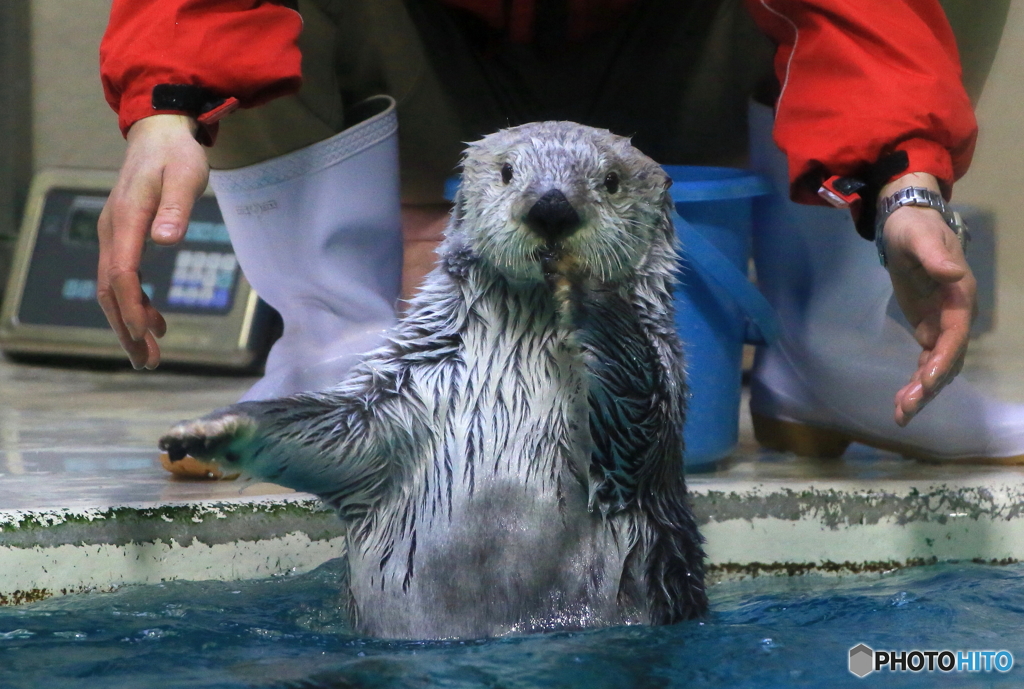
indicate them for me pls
(213, 315)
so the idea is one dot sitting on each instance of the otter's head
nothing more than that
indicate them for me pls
(562, 194)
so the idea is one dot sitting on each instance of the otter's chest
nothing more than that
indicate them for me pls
(509, 415)
(519, 408)
(495, 532)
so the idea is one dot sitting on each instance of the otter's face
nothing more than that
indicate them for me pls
(560, 196)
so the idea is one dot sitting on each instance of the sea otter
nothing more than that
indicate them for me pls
(512, 459)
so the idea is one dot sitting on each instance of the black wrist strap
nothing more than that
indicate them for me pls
(876, 177)
(194, 100)
(858, 192)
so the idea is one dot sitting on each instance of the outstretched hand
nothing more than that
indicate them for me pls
(936, 290)
(164, 172)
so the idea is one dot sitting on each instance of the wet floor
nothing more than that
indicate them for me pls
(75, 437)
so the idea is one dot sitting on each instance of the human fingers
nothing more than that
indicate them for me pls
(164, 171)
(942, 359)
(157, 324)
(130, 213)
(914, 396)
(183, 181)
(943, 354)
(135, 347)
(908, 402)
(936, 290)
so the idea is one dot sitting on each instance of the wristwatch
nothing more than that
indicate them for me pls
(916, 196)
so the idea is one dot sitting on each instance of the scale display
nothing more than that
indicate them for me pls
(198, 275)
(50, 306)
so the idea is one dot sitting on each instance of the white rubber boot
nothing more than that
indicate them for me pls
(846, 348)
(317, 232)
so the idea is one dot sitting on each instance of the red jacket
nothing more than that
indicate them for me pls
(860, 78)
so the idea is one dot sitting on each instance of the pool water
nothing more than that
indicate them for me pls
(283, 632)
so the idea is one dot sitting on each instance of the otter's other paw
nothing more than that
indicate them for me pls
(213, 438)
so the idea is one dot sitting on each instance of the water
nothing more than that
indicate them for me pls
(283, 633)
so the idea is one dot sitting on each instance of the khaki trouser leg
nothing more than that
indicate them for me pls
(287, 124)
(354, 49)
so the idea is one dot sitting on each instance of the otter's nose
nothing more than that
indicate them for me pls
(553, 217)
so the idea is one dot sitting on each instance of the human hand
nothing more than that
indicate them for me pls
(936, 290)
(164, 172)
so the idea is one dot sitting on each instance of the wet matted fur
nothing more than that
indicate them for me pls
(512, 459)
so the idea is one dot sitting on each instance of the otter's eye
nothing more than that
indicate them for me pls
(506, 173)
(611, 182)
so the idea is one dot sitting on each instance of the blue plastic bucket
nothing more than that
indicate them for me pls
(715, 302)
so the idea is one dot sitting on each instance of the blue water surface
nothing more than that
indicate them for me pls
(284, 632)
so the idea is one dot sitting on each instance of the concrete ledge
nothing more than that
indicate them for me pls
(844, 526)
(760, 518)
(58, 551)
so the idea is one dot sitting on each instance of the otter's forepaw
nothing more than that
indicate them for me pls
(219, 438)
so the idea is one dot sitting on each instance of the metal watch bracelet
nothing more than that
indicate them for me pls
(916, 196)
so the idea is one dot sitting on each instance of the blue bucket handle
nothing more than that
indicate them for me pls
(712, 265)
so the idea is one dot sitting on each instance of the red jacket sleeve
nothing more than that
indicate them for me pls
(862, 79)
(246, 49)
